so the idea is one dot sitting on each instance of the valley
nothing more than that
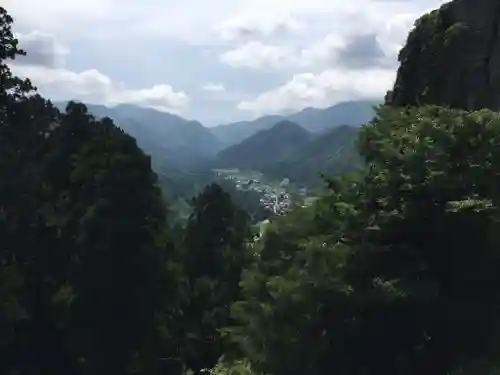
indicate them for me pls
(298, 146)
(279, 198)
(268, 165)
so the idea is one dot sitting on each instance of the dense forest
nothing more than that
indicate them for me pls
(395, 271)
(287, 150)
(179, 189)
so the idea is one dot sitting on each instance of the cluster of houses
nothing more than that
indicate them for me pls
(279, 202)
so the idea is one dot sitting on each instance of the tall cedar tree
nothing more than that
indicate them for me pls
(27, 281)
(214, 253)
(80, 219)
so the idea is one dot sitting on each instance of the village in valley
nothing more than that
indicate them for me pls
(279, 198)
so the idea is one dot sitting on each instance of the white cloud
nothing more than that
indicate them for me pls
(69, 14)
(193, 19)
(260, 24)
(324, 89)
(95, 87)
(214, 87)
(334, 49)
(303, 39)
(377, 41)
(331, 33)
(393, 34)
(44, 49)
(45, 65)
(321, 51)
(159, 96)
(256, 55)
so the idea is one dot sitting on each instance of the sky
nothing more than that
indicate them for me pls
(215, 61)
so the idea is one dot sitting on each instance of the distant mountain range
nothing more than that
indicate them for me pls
(171, 140)
(176, 144)
(315, 120)
(288, 150)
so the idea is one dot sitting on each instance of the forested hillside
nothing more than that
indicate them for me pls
(289, 151)
(264, 148)
(395, 271)
(173, 142)
(333, 153)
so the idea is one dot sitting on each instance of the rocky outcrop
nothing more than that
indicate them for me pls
(452, 57)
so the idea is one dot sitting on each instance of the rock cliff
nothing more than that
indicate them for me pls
(452, 57)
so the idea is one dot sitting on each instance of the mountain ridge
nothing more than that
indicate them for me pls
(332, 152)
(289, 151)
(170, 139)
(316, 120)
(265, 147)
(175, 142)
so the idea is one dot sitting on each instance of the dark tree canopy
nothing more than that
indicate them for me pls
(81, 219)
(215, 252)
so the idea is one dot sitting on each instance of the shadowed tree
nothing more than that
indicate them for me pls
(81, 222)
(213, 255)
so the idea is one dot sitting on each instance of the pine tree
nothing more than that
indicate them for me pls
(214, 253)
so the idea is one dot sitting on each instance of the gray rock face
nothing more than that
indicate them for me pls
(452, 57)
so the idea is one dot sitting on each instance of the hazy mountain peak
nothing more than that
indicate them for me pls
(265, 147)
(316, 120)
(288, 126)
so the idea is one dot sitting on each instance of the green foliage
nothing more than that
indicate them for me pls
(332, 153)
(246, 200)
(110, 211)
(213, 252)
(81, 222)
(386, 258)
(180, 188)
(237, 367)
(430, 191)
(288, 151)
(265, 147)
(172, 141)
